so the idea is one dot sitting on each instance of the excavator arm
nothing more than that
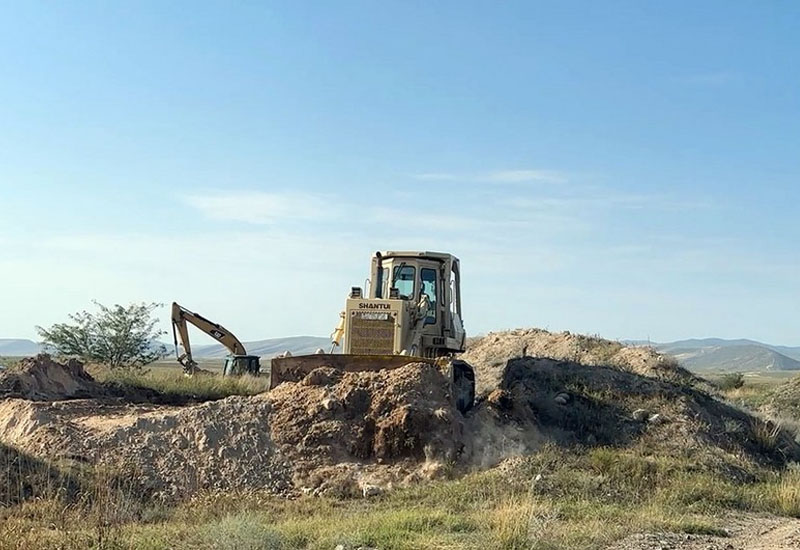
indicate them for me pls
(180, 333)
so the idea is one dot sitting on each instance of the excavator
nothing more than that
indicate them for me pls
(237, 363)
(409, 311)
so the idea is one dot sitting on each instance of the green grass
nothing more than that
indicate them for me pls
(173, 384)
(557, 498)
(755, 389)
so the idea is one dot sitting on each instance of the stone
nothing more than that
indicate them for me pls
(371, 490)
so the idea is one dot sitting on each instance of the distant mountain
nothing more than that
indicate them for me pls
(794, 353)
(13, 347)
(705, 354)
(742, 358)
(297, 345)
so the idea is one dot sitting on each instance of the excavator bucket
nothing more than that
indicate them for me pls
(294, 369)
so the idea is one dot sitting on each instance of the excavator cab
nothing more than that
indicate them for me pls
(236, 365)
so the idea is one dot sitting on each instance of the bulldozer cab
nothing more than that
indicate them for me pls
(432, 277)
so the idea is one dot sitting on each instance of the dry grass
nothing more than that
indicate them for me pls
(173, 383)
(766, 434)
(557, 498)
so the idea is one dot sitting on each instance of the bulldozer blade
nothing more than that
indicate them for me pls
(462, 384)
(294, 369)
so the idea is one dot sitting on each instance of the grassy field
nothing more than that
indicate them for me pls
(558, 498)
(172, 384)
(757, 389)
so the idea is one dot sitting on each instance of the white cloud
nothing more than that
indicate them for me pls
(526, 176)
(258, 207)
(498, 176)
(435, 176)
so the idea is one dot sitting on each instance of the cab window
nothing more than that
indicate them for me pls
(428, 277)
(404, 277)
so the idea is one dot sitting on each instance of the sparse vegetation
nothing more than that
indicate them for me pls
(9, 361)
(731, 381)
(784, 400)
(558, 498)
(173, 384)
(563, 495)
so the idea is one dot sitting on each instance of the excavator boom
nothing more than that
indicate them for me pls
(181, 316)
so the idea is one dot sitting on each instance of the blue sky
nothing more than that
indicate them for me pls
(623, 168)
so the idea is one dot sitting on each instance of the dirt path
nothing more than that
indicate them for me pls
(746, 533)
(784, 536)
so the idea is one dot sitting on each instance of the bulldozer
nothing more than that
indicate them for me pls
(238, 362)
(409, 311)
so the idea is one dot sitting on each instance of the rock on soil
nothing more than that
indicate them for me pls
(42, 379)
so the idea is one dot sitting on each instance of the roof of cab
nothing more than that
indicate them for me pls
(418, 254)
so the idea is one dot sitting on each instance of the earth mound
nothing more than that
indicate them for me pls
(784, 400)
(489, 355)
(167, 452)
(574, 404)
(351, 433)
(42, 379)
(340, 428)
(331, 433)
(26, 477)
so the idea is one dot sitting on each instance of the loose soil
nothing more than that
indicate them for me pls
(346, 434)
(745, 533)
(42, 379)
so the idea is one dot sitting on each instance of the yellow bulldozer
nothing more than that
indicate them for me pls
(409, 311)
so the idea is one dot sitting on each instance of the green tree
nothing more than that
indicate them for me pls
(118, 336)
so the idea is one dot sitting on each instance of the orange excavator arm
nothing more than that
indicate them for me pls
(180, 333)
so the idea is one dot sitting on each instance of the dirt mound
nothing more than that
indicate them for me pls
(570, 403)
(784, 401)
(490, 354)
(169, 452)
(343, 424)
(331, 433)
(42, 379)
(346, 433)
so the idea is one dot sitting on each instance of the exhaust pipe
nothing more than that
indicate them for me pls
(379, 278)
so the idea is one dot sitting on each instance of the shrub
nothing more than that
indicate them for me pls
(731, 381)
